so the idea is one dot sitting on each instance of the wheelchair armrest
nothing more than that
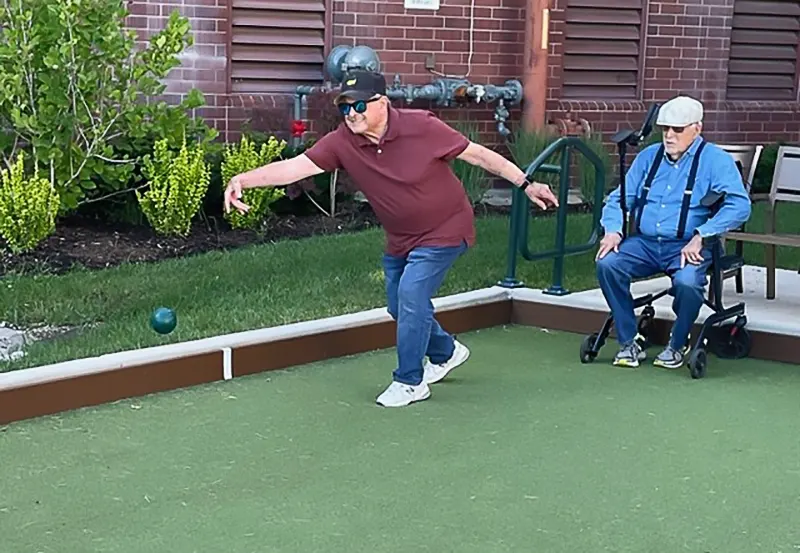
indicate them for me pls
(712, 199)
(731, 262)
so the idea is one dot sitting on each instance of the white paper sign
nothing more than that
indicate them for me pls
(422, 4)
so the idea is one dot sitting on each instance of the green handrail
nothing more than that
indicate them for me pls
(520, 214)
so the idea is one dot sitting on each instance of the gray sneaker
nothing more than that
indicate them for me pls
(671, 358)
(630, 355)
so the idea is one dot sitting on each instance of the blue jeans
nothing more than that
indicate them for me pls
(642, 257)
(411, 282)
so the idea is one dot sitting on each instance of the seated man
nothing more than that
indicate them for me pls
(664, 189)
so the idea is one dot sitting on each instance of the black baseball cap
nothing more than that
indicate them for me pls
(361, 85)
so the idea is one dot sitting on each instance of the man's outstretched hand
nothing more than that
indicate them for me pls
(232, 196)
(692, 252)
(541, 195)
(610, 242)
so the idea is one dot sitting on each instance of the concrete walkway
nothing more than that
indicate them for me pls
(778, 316)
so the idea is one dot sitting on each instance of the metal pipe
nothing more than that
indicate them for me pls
(409, 93)
(443, 91)
(299, 111)
(298, 114)
(537, 25)
(501, 116)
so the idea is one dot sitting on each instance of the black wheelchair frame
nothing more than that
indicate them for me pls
(731, 341)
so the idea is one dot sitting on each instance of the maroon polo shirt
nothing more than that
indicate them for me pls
(406, 178)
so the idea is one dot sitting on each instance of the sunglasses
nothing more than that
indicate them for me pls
(676, 130)
(359, 106)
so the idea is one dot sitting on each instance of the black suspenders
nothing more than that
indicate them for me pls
(687, 193)
(642, 199)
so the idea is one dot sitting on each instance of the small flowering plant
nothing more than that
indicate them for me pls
(299, 128)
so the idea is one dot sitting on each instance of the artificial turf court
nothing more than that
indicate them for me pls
(523, 449)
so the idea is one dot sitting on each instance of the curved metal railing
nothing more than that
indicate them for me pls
(520, 213)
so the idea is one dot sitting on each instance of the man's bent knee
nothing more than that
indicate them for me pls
(608, 265)
(689, 278)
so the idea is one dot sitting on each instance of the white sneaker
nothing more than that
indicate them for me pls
(434, 373)
(400, 395)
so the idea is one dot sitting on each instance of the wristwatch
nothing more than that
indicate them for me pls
(525, 184)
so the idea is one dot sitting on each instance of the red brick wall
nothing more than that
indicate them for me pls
(687, 46)
(203, 66)
(403, 39)
(686, 52)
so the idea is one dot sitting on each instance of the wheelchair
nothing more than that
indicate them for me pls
(727, 341)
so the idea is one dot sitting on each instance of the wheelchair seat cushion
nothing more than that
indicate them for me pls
(730, 263)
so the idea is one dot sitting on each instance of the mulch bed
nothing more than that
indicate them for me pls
(82, 242)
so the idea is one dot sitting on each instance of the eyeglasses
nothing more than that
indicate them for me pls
(359, 106)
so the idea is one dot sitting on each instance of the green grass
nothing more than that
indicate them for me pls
(252, 287)
(266, 285)
(522, 449)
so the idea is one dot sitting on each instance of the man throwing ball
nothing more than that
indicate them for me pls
(400, 160)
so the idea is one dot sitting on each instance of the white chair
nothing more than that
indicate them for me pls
(746, 157)
(785, 188)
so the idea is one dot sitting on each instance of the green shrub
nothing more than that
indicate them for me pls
(587, 171)
(472, 177)
(76, 91)
(176, 187)
(762, 180)
(244, 157)
(28, 207)
(528, 145)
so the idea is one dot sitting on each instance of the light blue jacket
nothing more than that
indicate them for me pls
(717, 172)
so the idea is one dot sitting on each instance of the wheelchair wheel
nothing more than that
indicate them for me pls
(733, 340)
(697, 363)
(644, 325)
(587, 354)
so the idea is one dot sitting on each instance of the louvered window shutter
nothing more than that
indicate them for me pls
(276, 45)
(764, 50)
(602, 49)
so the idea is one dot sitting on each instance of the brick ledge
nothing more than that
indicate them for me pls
(634, 106)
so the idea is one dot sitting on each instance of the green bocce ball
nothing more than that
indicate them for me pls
(163, 320)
